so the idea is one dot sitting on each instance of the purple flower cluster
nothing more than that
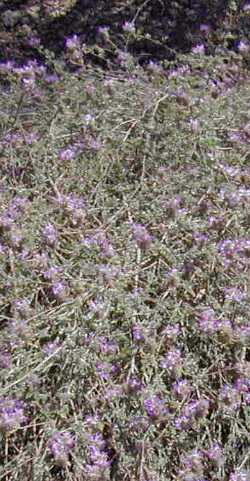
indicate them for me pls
(11, 414)
(138, 333)
(100, 240)
(99, 458)
(232, 250)
(68, 153)
(59, 290)
(171, 333)
(194, 462)
(182, 389)
(141, 236)
(173, 362)
(192, 412)
(106, 370)
(229, 398)
(50, 235)
(155, 407)
(240, 475)
(209, 324)
(74, 208)
(60, 445)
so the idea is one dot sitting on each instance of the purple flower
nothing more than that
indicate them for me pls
(112, 393)
(134, 385)
(72, 43)
(199, 49)
(182, 389)
(51, 78)
(243, 47)
(207, 321)
(106, 370)
(171, 332)
(11, 414)
(242, 385)
(199, 238)
(204, 28)
(103, 31)
(242, 333)
(98, 308)
(33, 41)
(229, 398)
(173, 362)
(22, 307)
(67, 154)
(5, 360)
(138, 424)
(137, 334)
(107, 346)
(234, 294)
(183, 423)
(31, 137)
(59, 290)
(141, 236)
(214, 454)
(240, 475)
(60, 446)
(193, 461)
(129, 27)
(51, 347)
(246, 8)
(196, 409)
(50, 235)
(98, 456)
(52, 273)
(155, 407)
(74, 207)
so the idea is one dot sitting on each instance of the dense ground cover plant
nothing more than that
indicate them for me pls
(104, 32)
(124, 246)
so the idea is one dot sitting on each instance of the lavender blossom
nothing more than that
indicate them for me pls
(134, 385)
(59, 290)
(173, 362)
(196, 409)
(243, 47)
(171, 333)
(60, 446)
(129, 27)
(106, 370)
(229, 398)
(240, 475)
(50, 235)
(155, 407)
(198, 49)
(5, 360)
(11, 414)
(141, 236)
(234, 294)
(214, 454)
(246, 8)
(193, 461)
(72, 43)
(183, 423)
(52, 273)
(99, 461)
(50, 347)
(182, 389)
(137, 334)
(67, 153)
(207, 321)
